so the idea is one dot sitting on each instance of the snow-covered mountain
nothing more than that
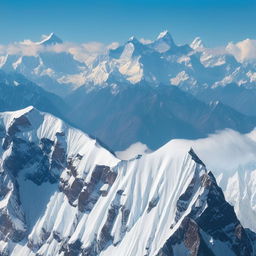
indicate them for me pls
(51, 39)
(162, 61)
(191, 67)
(197, 44)
(64, 194)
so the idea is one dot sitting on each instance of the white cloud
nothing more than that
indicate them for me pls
(243, 50)
(2, 49)
(146, 41)
(94, 47)
(27, 42)
(22, 49)
(113, 45)
(224, 151)
(85, 52)
(216, 50)
(132, 151)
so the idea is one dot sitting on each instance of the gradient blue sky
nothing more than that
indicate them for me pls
(216, 21)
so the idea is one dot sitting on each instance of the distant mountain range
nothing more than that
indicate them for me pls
(149, 92)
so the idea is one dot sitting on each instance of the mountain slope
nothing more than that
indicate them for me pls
(122, 115)
(95, 204)
(17, 92)
(237, 97)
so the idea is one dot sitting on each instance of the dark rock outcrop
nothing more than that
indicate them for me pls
(214, 219)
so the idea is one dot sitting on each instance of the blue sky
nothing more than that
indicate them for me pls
(216, 21)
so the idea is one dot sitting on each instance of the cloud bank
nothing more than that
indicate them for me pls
(243, 50)
(226, 150)
(82, 52)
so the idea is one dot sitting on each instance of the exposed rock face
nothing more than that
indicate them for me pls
(187, 235)
(91, 192)
(86, 194)
(216, 220)
(105, 233)
(73, 249)
(28, 153)
(59, 153)
(12, 220)
(152, 204)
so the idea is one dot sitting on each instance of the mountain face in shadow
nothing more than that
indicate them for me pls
(151, 115)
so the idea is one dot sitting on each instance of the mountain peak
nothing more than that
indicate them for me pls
(197, 44)
(164, 42)
(21, 112)
(133, 39)
(163, 34)
(195, 157)
(50, 40)
(166, 36)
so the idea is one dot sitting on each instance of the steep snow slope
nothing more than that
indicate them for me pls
(163, 203)
(35, 149)
(232, 158)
